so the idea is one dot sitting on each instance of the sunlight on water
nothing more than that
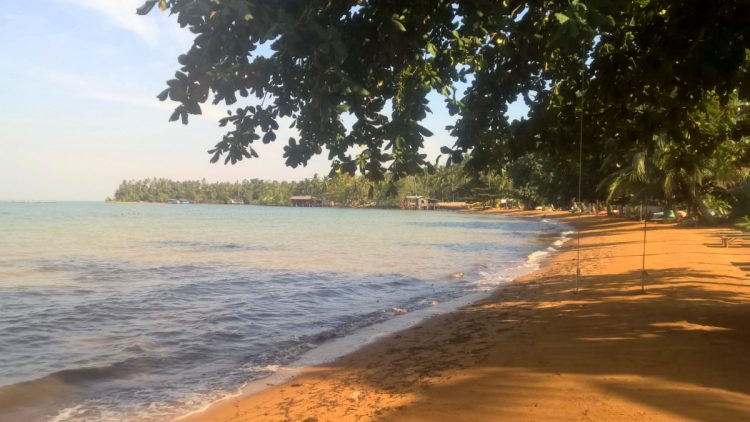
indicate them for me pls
(153, 310)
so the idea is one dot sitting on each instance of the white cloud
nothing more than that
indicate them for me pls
(122, 13)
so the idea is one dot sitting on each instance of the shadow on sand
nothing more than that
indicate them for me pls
(681, 348)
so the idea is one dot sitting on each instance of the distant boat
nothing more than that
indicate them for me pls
(178, 201)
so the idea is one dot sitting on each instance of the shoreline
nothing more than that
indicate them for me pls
(336, 349)
(538, 350)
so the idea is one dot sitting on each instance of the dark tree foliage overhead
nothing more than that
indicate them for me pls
(635, 70)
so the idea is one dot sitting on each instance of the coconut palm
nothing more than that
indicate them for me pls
(686, 165)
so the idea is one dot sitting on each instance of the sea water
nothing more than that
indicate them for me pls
(149, 311)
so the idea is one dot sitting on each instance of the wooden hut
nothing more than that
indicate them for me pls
(306, 201)
(418, 202)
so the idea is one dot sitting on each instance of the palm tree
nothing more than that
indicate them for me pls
(675, 171)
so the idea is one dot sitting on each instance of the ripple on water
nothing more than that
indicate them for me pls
(153, 325)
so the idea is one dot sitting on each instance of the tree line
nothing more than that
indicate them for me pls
(448, 184)
(525, 183)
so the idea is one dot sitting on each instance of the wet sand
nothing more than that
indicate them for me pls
(540, 350)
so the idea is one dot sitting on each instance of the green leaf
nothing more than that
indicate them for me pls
(163, 95)
(176, 114)
(193, 108)
(431, 48)
(363, 92)
(561, 18)
(146, 7)
(216, 155)
(424, 131)
(400, 26)
(269, 137)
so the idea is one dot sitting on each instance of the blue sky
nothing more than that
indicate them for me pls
(78, 107)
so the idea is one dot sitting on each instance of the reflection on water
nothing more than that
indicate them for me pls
(109, 310)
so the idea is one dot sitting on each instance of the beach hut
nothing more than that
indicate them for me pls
(415, 202)
(306, 201)
(419, 202)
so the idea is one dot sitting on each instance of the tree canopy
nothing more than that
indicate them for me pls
(630, 76)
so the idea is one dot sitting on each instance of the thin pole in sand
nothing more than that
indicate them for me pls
(580, 174)
(643, 263)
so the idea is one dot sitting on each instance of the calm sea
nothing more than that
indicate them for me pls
(135, 311)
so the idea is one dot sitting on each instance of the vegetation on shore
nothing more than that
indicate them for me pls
(447, 184)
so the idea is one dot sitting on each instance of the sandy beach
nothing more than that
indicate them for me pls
(540, 350)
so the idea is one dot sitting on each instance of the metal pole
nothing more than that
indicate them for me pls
(643, 263)
(580, 178)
